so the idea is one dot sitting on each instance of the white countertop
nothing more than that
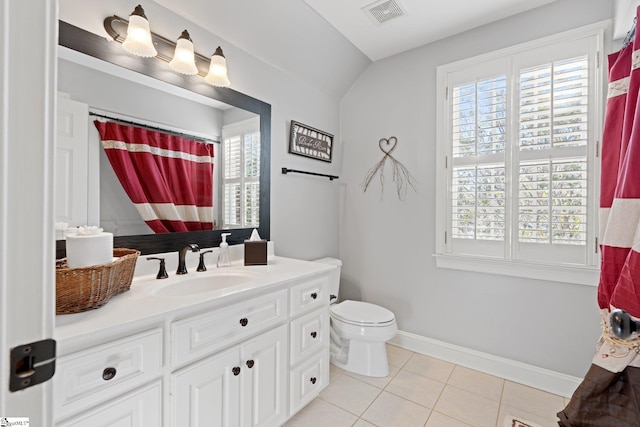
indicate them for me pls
(139, 306)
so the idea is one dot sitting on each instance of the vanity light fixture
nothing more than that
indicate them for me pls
(174, 53)
(183, 58)
(138, 41)
(217, 75)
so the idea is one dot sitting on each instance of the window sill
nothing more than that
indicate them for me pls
(550, 272)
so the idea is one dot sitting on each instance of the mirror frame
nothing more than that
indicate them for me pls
(99, 47)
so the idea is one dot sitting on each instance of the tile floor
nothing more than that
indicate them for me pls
(423, 391)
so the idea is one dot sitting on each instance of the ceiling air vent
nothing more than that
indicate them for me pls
(383, 11)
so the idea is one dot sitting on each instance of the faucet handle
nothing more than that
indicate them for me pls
(201, 266)
(162, 272)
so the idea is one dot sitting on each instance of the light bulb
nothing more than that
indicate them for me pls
(138, 41)
(217, 75)
(183, 58)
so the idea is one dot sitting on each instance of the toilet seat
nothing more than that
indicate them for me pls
(362, 314)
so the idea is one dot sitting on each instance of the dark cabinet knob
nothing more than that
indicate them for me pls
(250, 363)
(313, 380)
(244, 321)
(314, 334)
(314, 295)
(236, 371)
(108, 374)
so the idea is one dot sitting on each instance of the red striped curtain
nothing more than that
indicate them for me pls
(609, 395)
(168, 178)
(620, 185)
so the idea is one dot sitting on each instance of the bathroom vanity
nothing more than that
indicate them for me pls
(236, 346)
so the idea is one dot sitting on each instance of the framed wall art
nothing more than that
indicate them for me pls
(307, 141)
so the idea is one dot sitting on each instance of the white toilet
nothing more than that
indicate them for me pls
(359, 331)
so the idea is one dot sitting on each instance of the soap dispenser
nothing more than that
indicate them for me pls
(223, 251)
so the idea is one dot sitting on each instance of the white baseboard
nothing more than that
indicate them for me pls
(532, 376)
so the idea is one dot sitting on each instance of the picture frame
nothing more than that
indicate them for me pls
(310, 142)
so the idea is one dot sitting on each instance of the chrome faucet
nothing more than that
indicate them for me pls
(182, 268)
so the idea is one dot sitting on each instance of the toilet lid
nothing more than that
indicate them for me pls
(359, 312)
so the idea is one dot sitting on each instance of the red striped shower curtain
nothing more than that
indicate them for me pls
(610, 392)
(167, 177)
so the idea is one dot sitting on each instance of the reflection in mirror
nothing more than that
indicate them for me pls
(153, 97)
(236, 151)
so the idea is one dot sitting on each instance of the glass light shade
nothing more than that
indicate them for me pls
(217, 75)
(183, 58)
(138, 41)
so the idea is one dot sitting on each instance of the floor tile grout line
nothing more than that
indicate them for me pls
(342, 409)
(504, 382)
(401, 368)
(363, 412)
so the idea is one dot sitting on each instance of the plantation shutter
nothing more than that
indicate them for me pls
(553, 166)
(241, 174)
(519, 181)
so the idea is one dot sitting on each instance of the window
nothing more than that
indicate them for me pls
(241, 174)
(517, 169)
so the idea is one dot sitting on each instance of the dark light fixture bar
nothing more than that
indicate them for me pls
(287, 170)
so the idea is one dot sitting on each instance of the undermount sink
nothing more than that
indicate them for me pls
(206, 283)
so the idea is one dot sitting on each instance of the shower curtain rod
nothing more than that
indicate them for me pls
(155, 128)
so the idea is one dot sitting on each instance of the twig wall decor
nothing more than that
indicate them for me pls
(401, 175)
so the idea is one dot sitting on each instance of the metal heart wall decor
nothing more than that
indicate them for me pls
(401, 175)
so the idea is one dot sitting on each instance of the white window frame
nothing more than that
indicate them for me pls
(586, 273)
(240, 129)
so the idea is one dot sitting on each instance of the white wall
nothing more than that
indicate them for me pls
(304, 210)
(387, 245)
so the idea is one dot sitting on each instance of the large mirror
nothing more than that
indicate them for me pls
(222, 106)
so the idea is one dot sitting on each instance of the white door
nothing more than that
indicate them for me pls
(264, 376)
(72, 158)
(207, 393)
(27, 287)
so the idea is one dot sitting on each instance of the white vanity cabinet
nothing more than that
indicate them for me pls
(86, 379)
(239, 386)
(249, 385)
(248, 358)
(140, 408)
(309, 349)
(242, 386)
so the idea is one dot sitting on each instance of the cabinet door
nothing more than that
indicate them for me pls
(207, 394)
(264, 379)
(141, 408)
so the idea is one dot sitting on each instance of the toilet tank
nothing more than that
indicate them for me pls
(334, 277)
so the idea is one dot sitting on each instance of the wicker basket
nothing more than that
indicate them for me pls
(88, 288)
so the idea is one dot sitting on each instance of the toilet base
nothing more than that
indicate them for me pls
(365, 358)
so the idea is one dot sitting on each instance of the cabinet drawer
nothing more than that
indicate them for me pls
(140, 408)
(309, 333)
(89, 377)
(307, 380)
(309, 295)
(201, 335)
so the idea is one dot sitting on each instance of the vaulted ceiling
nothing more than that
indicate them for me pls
(329, 43)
